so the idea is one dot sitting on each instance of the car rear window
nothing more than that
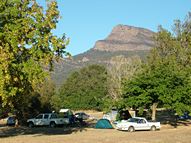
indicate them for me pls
(133, 120)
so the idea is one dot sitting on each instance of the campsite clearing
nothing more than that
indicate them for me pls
(168, 134)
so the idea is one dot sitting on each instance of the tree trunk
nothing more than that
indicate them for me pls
(154, 107)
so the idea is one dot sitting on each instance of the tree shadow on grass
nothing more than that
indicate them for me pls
(168, 117)
(40, 131)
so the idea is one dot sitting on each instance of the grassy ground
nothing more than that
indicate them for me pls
(181, 133)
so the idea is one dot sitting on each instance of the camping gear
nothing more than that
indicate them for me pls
(103, 124)
(67, 113)
(124, 115)
(111, 116)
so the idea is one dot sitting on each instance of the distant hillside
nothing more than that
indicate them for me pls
(123, 40)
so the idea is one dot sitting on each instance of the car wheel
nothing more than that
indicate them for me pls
(31, 125)
(153, 128)
(52, 124)
(131, 129)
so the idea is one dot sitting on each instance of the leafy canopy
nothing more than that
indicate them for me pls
(165, 79)
(27, 47)
(84, 89)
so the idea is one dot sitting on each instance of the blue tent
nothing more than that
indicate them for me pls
(103, 124)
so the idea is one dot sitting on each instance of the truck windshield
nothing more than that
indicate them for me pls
(39, 116)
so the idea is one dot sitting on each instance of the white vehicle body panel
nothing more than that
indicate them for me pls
(139, 123)
(46, 119)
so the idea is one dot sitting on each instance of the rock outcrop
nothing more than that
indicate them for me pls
(126, 38)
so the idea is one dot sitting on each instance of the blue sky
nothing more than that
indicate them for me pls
(86, 21)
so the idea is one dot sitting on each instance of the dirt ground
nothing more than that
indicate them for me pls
(167, 134)
(87, 134)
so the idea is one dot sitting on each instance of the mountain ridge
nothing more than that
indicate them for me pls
(126, 38)
(123, 40)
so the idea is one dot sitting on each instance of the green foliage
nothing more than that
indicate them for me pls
(108, 104)
(84, 89)
(167, 85)
(56, 102)
(27, 47)
(165, 79)
(47, 91)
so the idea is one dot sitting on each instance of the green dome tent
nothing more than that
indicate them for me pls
(103, 124)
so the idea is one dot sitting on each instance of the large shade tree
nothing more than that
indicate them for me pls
(27, 48)
(166, 79)
(165, 86)
(83, 89)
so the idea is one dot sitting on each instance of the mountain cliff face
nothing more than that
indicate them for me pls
(123, 40)
(126, 38)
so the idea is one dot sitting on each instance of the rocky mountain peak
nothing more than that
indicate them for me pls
(123, 40)
(126, 38)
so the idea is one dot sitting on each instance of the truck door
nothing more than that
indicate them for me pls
(39, 120)
(46, 119)
(142, 125)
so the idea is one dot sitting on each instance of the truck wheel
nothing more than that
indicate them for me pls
(131, 129)
(153, 128)
(31, 124)
(52, 124)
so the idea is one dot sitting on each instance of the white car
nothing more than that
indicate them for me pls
(9, 121)
(47, 119)
(137, 123)
(82, 116)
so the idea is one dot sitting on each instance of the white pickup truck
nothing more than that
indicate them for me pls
(137, 123)
(47, 119)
